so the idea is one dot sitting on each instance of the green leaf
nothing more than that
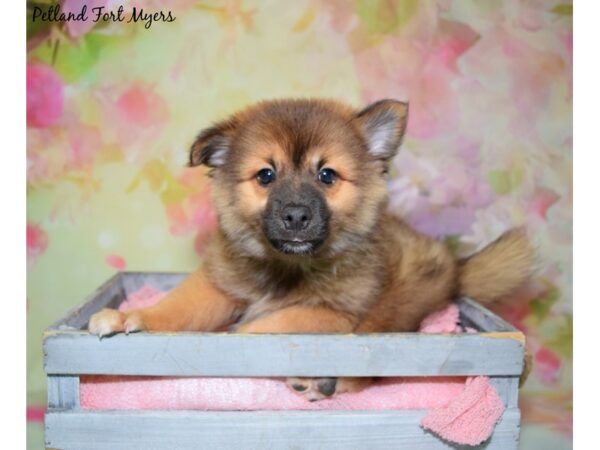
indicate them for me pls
(453, 243)
(564, 9)
(75, 59)
(385, 16)
(562, 340)
(505, 181)
(39, 26)
(161, 181)
(540, 307)
(305, 20)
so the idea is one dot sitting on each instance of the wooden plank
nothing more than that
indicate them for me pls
(476, 316)
(226, 354)
(179, 430)
(63, 391)
(508, 390)
(112, 293)
(109, 295)
(162, 281)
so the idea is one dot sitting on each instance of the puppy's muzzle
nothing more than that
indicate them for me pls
(296, 219)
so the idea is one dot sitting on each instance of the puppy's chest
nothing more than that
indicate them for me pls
(268, 292)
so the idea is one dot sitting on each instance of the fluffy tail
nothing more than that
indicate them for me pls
(497, 270)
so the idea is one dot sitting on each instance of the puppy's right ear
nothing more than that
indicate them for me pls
(212, 146)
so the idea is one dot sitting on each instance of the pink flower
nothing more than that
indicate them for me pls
(543, 199)
(531, 14)
(422, 69)
(35, 413)
(142, 107)
(85, 141)
(37, 242)
(440, 222)
(529, 76)
(45, 98)
(116, 261)
(546, 365)
(432, 201)
(195, 212)
(138, 116)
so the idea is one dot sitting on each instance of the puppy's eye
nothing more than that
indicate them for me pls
(327, 176)
(265, 176)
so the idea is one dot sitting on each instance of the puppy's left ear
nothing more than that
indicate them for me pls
(383, 124)
(212, 145)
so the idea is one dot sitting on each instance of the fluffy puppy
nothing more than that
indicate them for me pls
(304, 241)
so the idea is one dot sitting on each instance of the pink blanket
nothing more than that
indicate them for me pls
(461, 411)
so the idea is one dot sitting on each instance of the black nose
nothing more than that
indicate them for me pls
(296, 217)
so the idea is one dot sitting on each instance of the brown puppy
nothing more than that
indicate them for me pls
(305, 243)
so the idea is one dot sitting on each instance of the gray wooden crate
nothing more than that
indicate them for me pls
(70, 351)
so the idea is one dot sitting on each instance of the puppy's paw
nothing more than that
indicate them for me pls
(107, 322)
(355, 384)
(313, 389)
(110, 321)
(133, 322)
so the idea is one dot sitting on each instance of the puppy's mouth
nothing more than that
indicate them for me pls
(296, 246)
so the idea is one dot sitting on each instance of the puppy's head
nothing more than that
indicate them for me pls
(301, 177)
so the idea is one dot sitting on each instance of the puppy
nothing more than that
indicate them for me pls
(305, 244)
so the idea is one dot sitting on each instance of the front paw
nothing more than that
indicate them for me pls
(110, 321)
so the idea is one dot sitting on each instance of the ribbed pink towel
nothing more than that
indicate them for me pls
(460, 412)
(469, 418)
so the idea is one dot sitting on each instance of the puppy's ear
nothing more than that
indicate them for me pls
(211, 147)
(383, 124)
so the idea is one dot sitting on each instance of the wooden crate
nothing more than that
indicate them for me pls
(70, 351)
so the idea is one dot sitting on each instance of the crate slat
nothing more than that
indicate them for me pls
(180, 430)
(63, 391)
(477, 316)
(508, 390)
(226, 354)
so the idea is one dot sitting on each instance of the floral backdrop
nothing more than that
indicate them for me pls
(112, 108)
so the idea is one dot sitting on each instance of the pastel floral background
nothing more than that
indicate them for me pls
(112, 109)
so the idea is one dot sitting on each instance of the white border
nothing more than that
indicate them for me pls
(12, 235)
(586, 296)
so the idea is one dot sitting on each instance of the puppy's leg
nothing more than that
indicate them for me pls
(422, 280)
(300, 319)
(195, 305)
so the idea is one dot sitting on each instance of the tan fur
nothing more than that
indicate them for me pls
(196, 304)
(421, 278)
(301, 319)
(372, 274)
(498, 269)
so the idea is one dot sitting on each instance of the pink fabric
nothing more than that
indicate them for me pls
(469, 418)
(461, 412)
(142, 298)
(253, 394)
(444, 321)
